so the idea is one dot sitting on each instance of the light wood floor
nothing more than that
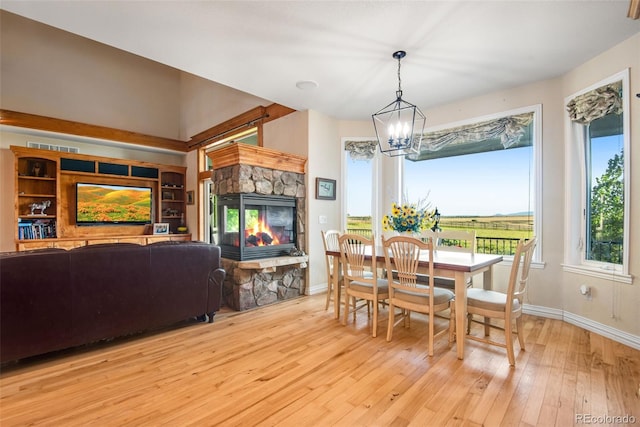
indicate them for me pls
(293, 364)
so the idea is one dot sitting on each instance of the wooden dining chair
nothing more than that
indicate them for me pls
(402, 254)
(360, 277)
(504, 306)
(456, 241)
(452, 241)
(330, 241)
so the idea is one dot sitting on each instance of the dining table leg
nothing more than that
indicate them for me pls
(461, 311)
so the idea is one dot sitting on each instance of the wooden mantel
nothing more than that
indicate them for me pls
(238, 153)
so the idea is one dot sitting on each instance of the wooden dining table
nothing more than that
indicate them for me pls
(455, 265)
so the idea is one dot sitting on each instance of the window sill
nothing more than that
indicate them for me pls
(598, 273)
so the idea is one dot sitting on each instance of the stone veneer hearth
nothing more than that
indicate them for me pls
(241, 168)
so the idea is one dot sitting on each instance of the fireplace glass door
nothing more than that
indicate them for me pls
(254, 226)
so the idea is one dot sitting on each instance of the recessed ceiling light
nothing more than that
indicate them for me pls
(306, 84)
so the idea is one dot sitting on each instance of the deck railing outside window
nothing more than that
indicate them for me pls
(484, 245)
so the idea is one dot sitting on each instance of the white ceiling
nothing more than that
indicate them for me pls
(455, 49)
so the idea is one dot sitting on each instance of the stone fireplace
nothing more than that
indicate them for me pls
(261, 196)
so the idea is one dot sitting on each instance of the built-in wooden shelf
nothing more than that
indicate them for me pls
(50, 177)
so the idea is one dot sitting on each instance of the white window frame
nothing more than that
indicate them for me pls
(375, 185)
(576, 198)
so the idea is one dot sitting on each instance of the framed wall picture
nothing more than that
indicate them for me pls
(161, 228)
(325, 189)
(190, 199)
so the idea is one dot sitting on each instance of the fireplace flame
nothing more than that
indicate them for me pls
(260, 235)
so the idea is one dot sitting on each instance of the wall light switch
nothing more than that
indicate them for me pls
(322, 219)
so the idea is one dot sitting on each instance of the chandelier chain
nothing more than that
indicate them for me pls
(399, 91)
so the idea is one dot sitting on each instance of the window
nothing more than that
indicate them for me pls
(597, 183)
(482, 175)
(209, 202)
(360, 186)
(604, 191)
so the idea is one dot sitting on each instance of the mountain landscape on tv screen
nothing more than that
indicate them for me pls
(105, 204)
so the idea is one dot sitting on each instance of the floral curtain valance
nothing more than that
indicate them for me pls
(361, 150)
(509, 129)
(597, 103)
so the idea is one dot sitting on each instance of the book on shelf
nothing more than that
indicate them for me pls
(37, 229)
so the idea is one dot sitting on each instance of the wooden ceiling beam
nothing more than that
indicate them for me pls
(50, 124)
(254, 117)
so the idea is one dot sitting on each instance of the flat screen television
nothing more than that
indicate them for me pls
(103, 204)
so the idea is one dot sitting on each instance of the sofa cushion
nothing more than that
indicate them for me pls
(36, 298)
(110, 285)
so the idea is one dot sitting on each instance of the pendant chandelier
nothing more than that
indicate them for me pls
(399, 126)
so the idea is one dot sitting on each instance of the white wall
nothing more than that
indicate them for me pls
(323, 155)
(53, 73)
(289, 134)
(202, 100)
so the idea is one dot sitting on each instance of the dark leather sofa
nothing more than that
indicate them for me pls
(53, 299)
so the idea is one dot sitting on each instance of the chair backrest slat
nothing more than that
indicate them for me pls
(519, 277)
(402, 257)
(354, 249)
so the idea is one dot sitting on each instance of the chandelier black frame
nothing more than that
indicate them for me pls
(400, 125)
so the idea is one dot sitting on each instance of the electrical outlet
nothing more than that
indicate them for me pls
(585, 291)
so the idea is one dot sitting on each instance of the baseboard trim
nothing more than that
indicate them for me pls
(622, 337)
(550, 313)
(319, 288)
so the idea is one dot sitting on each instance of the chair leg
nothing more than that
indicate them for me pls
(392, 312)
(508, 332)
(375, 318)
(346, 308)
(469, 319)
(452, 325)
(520, 332)
(431, 332)
(329, 291)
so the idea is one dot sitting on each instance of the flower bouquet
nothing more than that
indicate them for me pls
(411, 218)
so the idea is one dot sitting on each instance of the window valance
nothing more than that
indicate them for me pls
(361, 150)
(509, 129)
(596, 103)
(500, 133)
(503, 132)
